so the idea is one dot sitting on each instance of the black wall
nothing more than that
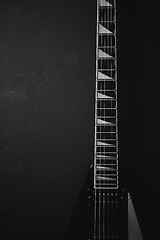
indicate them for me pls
(47, 85)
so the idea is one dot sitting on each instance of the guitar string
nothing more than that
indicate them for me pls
(108, 210)
(100, 104)
(101, 147)
(95, 160)
(115, 67)
(98, 228)
(116, 112)
(111, 195)
(117, 121)
(104, 207)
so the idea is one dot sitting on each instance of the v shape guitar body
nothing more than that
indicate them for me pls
(116, 219)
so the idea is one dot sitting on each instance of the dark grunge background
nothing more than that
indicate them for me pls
(47, 86)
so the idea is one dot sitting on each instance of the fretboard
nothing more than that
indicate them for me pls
(106, 122)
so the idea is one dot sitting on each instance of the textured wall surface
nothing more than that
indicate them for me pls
(47, 77)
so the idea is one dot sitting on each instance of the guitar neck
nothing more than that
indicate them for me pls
(106, 122)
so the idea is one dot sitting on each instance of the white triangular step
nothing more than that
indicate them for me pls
(106, 168)
(103, 30)
(103, 76)
(102, 54)
(106, 178)
(99, 121)
(102, 96)
(104, 144)
(103, 3)
(102, 156)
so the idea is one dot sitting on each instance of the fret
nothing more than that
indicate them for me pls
(106, 80)
(110, 118)
(109, 168)
(107, 140)
(104, 33)
(106, 168)
(104, 124)
(105, 145)
(107, 47)
(102, 185)
(108, 153)
(111, 108)
(106, 113)
(106, 132)
(108, 173)
(111, 84)
(112, 142)
(105, 164)
(101, 69)
(111, 94)
(105, 97)
(104, 91)
(106, 21)
(107, 119)
(106, 158)
(111, 176)
(111, 154)
(107, 177)
(106, 149)
(108, 187)
(100, 157)
(113, 166)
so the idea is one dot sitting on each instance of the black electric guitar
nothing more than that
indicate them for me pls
(104, 206)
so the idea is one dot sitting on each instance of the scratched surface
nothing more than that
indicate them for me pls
(47, 75)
